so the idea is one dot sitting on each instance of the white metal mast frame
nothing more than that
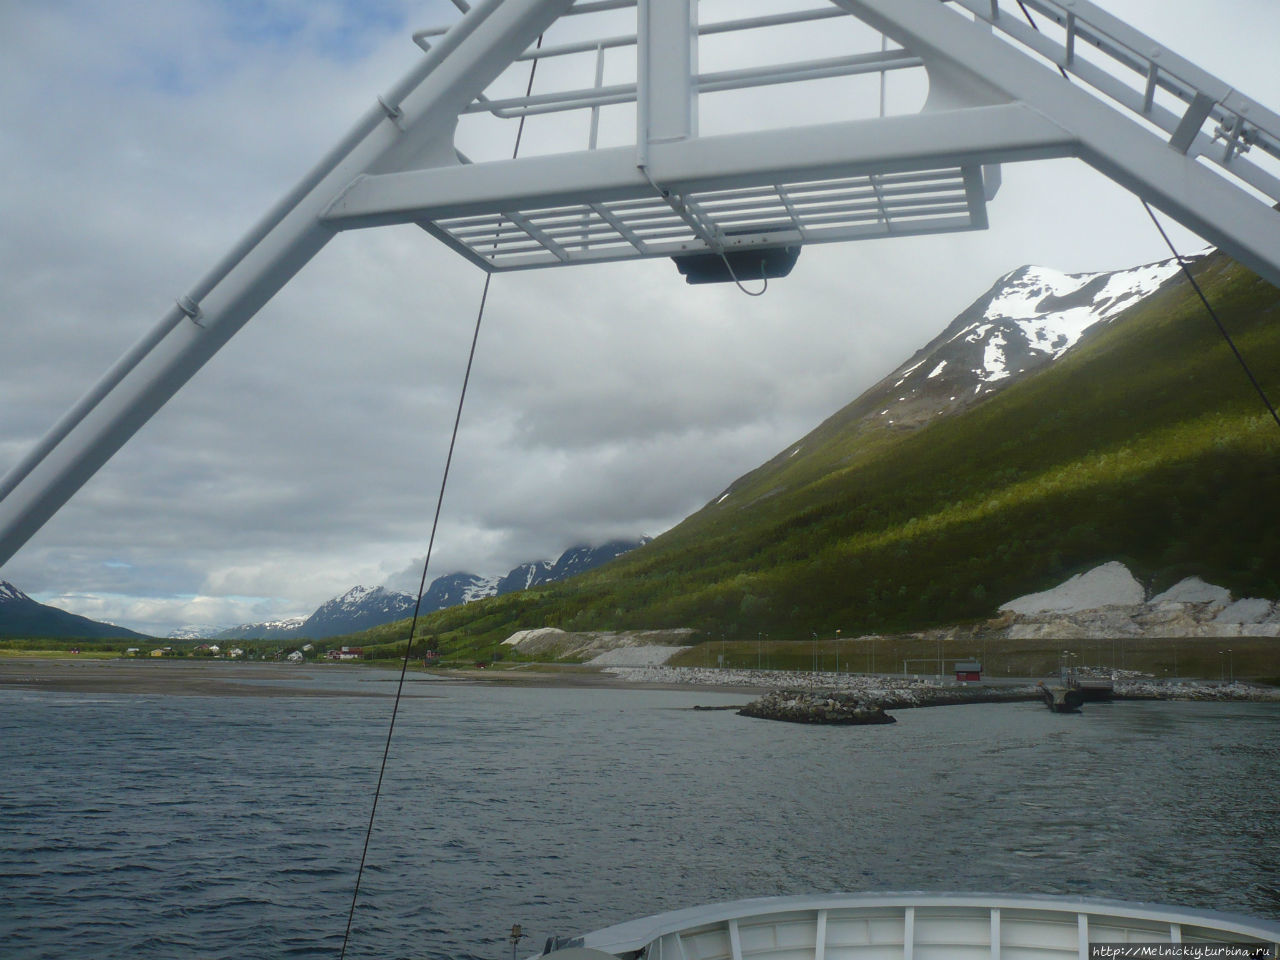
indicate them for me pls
(991, 101)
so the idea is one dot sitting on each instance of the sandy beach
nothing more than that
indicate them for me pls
(194, 678)
(227, 678)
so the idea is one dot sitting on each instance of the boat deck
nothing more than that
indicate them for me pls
(919, 926)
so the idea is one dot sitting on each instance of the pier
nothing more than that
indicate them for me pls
(1061, 699)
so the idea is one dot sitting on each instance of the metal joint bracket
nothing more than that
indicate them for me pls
(192, 310)
(711, 237)
(1197, 112)
(1236, 135)
(392, 112)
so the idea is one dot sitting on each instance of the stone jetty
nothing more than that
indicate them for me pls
(808, 706)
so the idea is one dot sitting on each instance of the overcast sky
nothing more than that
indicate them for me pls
(140, 140)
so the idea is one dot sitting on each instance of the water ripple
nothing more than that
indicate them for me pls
(158, 827)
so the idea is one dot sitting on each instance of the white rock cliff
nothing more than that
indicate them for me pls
(1109, 602)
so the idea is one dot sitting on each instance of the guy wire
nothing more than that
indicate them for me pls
(1186, 270)
(426, 563)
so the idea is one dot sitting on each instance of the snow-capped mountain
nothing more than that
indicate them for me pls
(357, 609)
(20, 616)
(524, 576)
(572, 562)
(194, 631)
(580, 559)
(363, 607)
(455, 588)
(1029, 318)
(271, 630)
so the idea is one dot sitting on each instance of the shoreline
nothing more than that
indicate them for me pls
(258, 679)
(898, 691)
(176, 678)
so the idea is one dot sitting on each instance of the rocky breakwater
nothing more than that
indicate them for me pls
(1130, 685)
(809, 706)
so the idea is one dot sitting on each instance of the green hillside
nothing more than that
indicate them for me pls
(1144, 444)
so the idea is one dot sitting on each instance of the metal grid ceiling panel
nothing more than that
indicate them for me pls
(815, 211)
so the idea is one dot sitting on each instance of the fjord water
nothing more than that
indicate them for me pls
(219, 827)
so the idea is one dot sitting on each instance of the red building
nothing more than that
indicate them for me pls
(968, 670)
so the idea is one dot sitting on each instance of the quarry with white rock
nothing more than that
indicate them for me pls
(626, 648)
(1108, 602)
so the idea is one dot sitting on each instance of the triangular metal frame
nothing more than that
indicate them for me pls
(1000, 92)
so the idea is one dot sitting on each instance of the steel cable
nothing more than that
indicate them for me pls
(426, 563)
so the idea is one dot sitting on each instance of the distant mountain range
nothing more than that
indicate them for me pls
(363, 607)
(20, 616)
(358, 609)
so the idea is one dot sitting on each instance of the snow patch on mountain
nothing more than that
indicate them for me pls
(480, 588)
(520, 578)
(195, 631)
(354, 597)
(1054, 309)
(269, 630)
(9, 592)
(288, 623)
(1029, 318)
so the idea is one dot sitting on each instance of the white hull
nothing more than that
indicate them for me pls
(916, 926)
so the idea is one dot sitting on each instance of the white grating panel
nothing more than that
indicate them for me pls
(816, 211)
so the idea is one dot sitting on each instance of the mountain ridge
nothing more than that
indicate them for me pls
(20, 616)
(361, 607)
(967, 362)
